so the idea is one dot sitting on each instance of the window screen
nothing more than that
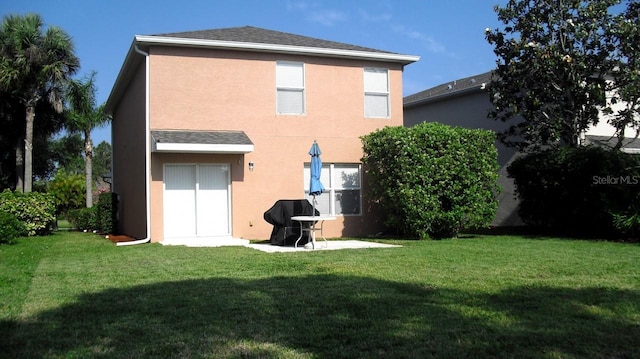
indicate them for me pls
(290, 87)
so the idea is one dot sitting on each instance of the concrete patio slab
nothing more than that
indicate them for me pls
(267, 247)
(320, 246)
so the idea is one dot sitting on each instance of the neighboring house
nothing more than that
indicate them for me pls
(210, 128)
(466, 103)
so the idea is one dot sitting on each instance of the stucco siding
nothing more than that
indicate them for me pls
(128, 143)
(197, 89)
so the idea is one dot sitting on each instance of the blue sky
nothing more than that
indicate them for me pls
(447, 35)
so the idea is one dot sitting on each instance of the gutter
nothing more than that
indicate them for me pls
(147, 166)
(274, 48)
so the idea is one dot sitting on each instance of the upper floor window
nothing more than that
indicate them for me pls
(290, 88)
(376, 92)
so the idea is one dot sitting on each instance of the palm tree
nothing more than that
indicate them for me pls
(34, 67)
(83, 117)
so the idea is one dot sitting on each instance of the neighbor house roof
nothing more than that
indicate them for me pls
(179, 141)
(629, 145)
(449, 89)
(246, 38)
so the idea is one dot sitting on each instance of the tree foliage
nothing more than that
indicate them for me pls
(101, 161)
(66, 152)
(83, 116)
(35, 65)
(625, 35)
(558, 60)
(68, 190)
(12, 141)
(432, 180)
(578, 191)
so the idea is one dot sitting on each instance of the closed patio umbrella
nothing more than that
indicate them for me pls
(315, 186)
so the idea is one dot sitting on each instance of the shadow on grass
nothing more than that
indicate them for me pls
(328, 316)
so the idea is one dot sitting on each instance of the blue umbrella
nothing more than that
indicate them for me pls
(315, 186)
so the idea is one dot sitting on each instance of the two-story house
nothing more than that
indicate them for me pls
(211, 127)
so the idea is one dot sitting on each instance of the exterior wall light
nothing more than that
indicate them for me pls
(251, 165)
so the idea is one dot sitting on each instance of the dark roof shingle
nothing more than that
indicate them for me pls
(451, 88)
(250, 34)
(202, 137)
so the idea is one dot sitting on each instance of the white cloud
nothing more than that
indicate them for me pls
(427, 41)
(297, 5)
(326, 17)
(368, 17)
(313, 12)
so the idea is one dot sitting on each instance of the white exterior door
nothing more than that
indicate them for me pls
(196, 200)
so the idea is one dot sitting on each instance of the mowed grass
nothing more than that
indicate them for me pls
(76, 295)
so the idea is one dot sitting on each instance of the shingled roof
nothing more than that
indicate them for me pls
(250, 34)
(448, 89)
(201, 141)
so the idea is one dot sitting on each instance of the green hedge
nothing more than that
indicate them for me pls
(10, 228)
(432, 180)
(37, 211)
(83, 219)
(101, 217)
(106, 212)
(587, 191)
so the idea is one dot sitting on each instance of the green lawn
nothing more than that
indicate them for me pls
(76, 295)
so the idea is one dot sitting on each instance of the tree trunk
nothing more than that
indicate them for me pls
(88, 154)
(28, 147)
(20, 164)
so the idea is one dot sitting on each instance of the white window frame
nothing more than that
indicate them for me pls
(331, 188)
(288, 87)
(376, 92)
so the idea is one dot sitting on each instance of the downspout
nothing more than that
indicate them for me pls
(147, 166)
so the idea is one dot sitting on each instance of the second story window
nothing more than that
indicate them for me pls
(376, 92)
(290, 88)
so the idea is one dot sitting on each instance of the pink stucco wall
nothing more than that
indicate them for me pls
(198, 89)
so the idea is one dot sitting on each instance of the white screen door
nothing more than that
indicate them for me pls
(213, 200)
(196, 200)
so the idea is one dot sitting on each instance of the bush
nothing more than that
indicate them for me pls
(106, 212)
(10, 228)
(576, 191)
(83, 218)
(432, 180)
(69, 191)
(37, 211)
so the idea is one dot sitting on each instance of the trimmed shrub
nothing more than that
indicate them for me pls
(37, 211)
(432, 180)
(83, 218)
(10, 228)
(106, 212)
(577, 191)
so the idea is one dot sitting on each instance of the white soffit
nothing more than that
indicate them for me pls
(274, 48)
(201, 148)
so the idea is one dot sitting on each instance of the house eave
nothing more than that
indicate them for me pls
(127, 70)
(143, 40)
(201, 148)
(443, 96)
(133, 59)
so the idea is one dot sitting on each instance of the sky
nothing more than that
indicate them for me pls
(447, 35)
